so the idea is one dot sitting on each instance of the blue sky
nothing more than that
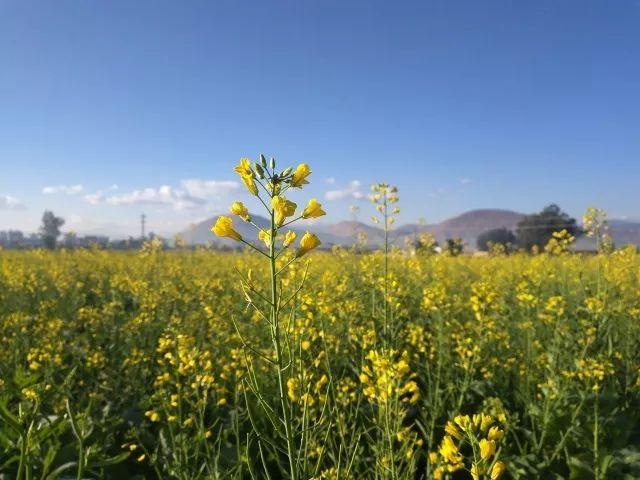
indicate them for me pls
(462, 104)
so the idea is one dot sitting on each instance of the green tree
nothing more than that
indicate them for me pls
(50, 229)
(537, 229)
(496, 236)
(454, 246)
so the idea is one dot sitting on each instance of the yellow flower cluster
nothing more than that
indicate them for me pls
(386, 378)
(281, 209)
(383, 196)
(483, 434)
(559, 243)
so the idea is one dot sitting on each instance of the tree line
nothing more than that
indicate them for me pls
(533, 231)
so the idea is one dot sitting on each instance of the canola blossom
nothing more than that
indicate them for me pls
(309, 363)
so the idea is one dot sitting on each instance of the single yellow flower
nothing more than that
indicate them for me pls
(487, 448)
(265, 236)
(452, 430)
(244, 168)
(250, 184)
(224, 228)
(495, 433)
(308, 242)
(449, 450)
(313, 209)
(283, 208)
(497, 470)
(238, 208)
(463, 421)
(289, 238)
(246, 175)
(152, 415)
(475, 472)
(300, 175)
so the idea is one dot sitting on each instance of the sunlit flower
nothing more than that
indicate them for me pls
(265, 236)
(300, 175)
(487, 448)
(313, 209)
(246, 175)
(497, 470)
(283, 208)
(238, 208)
(308, 242)
(224, 228)
(289, 237)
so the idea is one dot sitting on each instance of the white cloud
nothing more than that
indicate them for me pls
(330, 181)
(66, 189)
(351, 191)
(465, 181)
(194, 193)
(99, 196)
(94, 198)
(7, 202)
(165, 195)
(199, 188)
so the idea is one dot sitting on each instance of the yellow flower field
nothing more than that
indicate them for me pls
(137, 365)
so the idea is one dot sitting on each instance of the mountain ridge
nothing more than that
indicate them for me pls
(467, 225)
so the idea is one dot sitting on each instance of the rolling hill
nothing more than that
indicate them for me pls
(467, 226)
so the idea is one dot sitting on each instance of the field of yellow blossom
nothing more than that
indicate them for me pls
(135, 365)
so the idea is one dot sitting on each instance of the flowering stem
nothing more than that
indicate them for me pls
(275, 337)
(386, 268)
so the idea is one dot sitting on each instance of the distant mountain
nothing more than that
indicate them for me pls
(467, 226)
(346, 232)
(624, 232)
(470, 225)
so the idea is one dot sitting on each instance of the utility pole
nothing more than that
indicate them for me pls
(143, 219)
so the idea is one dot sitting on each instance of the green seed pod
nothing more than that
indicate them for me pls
(286, 173)
(273, 163)
(259, 170)
(263, 161)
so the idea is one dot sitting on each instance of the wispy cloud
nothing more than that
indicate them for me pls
(66, 189)
(99, 196)
(194, 193)
(165, 195)
(351, 191)
(465, 181)
(330, 181)
(94, 198)
(7, 202)
(209, 188)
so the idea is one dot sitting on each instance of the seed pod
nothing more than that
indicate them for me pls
(259, 170)
(285, 173)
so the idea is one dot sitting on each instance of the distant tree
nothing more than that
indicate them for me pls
(454, 246)
(50, 229)
(496, 236)
(70, 239)
(536, 230)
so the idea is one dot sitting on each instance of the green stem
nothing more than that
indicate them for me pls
(386, 270)
(23, 456)
(596, 429)
(275, 337)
